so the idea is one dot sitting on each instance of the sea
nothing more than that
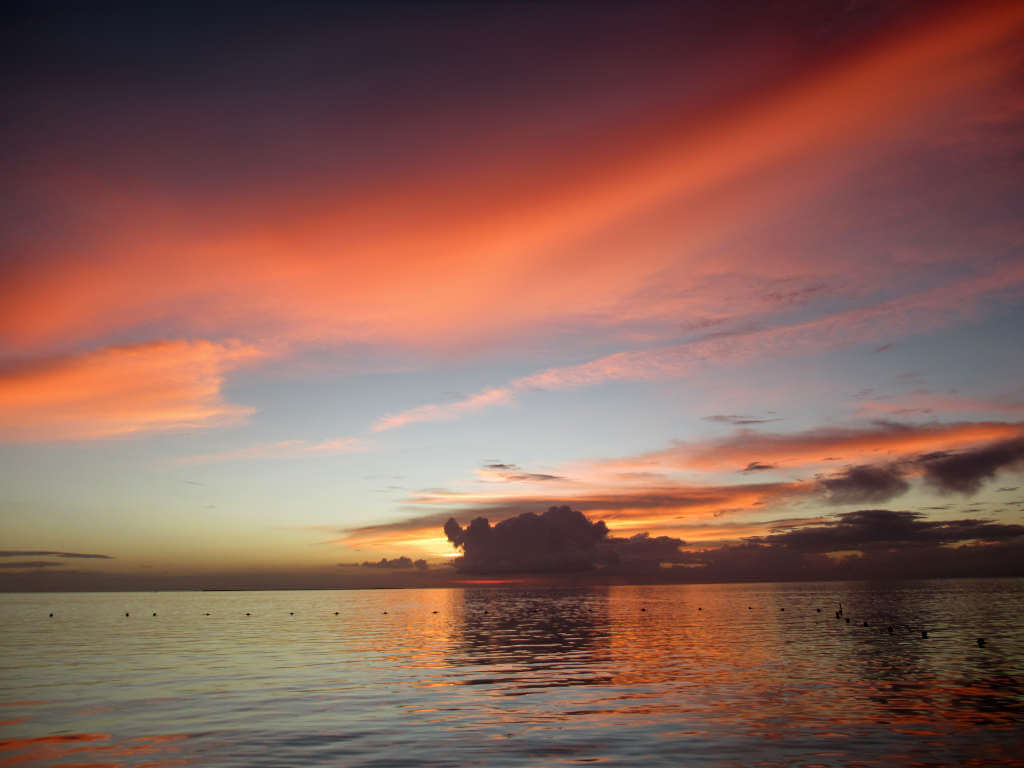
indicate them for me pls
(927, 673)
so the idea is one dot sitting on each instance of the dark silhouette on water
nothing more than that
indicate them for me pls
(981, 642)
(924, 634)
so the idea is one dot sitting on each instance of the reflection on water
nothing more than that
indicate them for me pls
(695, 675)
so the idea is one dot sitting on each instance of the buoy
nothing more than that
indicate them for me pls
(433, 611)
(818, 610)
(865, 623)
(643, 609)
(154, 613)
(385, 613)
(981, 642)
(51, 615)
(335, 613)
(889, 629)
(750, 607)
(248, 614)
(126, 613)
(206, 614)
(924, 633)
(700, 609)
(291, 613)
(847, 619)
(782, 609)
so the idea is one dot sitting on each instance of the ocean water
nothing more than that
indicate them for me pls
(717, 675)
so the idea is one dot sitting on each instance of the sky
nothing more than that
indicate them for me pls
(284, 287)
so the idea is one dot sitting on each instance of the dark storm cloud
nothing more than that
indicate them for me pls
(48, 553)
(888, 529)
(865, 484)
(965, 471)
(561, 540)
(564, 541)
(642, 552)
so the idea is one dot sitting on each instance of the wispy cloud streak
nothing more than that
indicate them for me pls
(283, 449)
(930, 309)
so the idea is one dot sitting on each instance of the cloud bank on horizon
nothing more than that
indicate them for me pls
(296, 288)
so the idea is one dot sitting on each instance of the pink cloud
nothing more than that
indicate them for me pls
(118, 391)
(434, 263)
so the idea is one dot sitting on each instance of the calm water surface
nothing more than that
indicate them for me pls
(671, 675)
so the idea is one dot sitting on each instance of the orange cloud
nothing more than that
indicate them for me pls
(117, 391)
(818, 447)
(434, 262)
(935, 404)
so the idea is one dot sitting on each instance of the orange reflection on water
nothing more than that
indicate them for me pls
(86, 746)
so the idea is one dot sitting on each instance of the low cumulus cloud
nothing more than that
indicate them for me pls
(965, 471)
(865, 484)
(402, 563)
(397, 563)
(564, 541)
(561, 540)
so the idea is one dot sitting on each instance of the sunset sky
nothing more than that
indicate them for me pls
(283, 290)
